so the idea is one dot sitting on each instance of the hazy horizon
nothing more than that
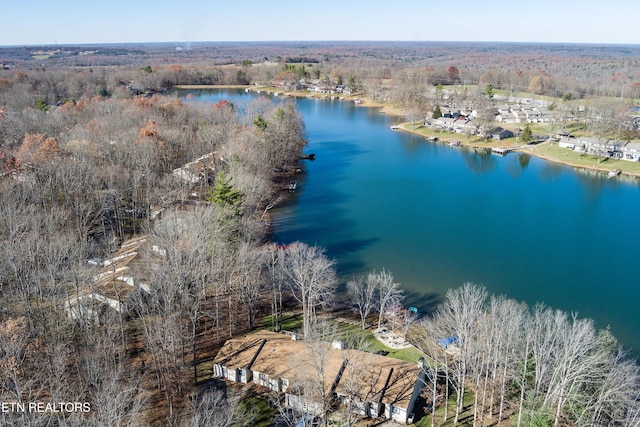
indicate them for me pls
(328, 42)
(72, 22)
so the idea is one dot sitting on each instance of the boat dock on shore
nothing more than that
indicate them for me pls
(502, 151)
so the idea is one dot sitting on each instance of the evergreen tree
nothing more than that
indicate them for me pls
(260, 122)
(526, 136)
(42, 104)
(437, 113)
(225, 195)
(488, 90)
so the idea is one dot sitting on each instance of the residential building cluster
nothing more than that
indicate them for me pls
(315, 376)
(605, 147)
(465, 120)
(321, 86)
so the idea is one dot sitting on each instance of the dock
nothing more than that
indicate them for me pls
(502, 151)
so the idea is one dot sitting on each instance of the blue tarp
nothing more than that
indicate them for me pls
(446, 342)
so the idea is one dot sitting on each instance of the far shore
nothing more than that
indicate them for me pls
(543, 150)
(211, 86)
(625, 168)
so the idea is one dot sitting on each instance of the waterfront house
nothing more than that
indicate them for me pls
(572, 144)
(498, 133)
(444, 123)
(464, 125)
(616, 149)
(316, 376)
(631, 152)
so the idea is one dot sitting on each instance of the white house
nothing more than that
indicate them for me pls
(631, 152)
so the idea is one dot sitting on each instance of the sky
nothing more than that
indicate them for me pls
(40, 22)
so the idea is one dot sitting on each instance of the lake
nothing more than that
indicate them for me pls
(438, 216)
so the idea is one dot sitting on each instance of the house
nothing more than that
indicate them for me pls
(518, 114)
(444, 123)
(546, 115)
(464, 125)
(532, 114)
(498, 133)
(503, 114)
(503, 109)
(112, 285)
(598, 146)
(450, 113)
(631, 152)
(202, 169)
(572, 144)
(313, 376)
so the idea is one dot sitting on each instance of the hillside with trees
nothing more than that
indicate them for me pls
(135, 234)
(80, 179)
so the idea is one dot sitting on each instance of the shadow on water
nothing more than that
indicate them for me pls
(517, 164)
(347, 247)
(479, 160)
(551, 171)
(348, 255)
(425, 302)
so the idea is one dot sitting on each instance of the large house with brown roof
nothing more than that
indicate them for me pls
(315, 375)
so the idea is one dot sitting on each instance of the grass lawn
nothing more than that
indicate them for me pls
(290, 322)
(555, 153)
(466, 416)
(265, 415)
(363, 339)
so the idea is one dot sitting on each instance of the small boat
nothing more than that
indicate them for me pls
(308, 156)
(455, 143)
(613, 173)
(395, 127)
(293, 185)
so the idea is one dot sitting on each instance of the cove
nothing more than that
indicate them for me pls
(437, 217)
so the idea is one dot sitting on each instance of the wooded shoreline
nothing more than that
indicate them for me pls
(443, 136)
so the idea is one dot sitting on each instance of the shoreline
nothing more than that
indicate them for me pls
(529, 149)
(397, 111)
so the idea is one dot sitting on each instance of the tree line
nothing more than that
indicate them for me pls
(534, 366)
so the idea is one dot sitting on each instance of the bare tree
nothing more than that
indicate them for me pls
(459, 314)
(210, 408)
(275, 260)
(312, 280)
(389, 292)
(363, 294)
(250, 269)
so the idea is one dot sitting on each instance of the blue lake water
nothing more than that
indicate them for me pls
(437, 216)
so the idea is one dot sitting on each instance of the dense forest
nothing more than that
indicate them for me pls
(97, 156)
